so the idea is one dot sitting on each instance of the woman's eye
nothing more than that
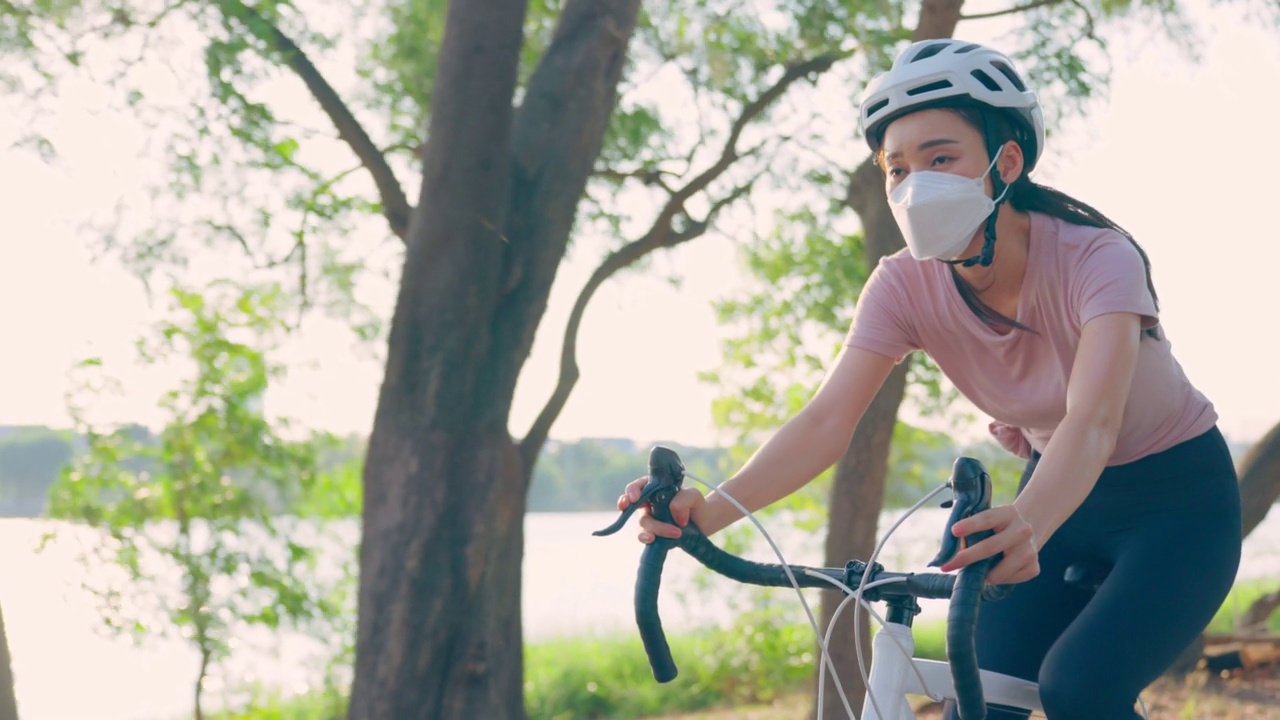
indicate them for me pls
(940, 160)
(896, 172)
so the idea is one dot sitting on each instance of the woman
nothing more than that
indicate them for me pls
(1042, 312)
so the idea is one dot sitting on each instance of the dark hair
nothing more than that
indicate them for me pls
(1025, 195)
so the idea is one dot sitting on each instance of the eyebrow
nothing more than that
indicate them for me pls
(924, 146)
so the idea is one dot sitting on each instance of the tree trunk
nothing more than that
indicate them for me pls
(8, 699)
(857, 495)
(439, 630)
(857, 492)
(1260, 480)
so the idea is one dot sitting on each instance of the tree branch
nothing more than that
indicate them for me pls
(661, 234)
(1011, 10)
(647, 176)
(233, 232)
(1090, 30)
(395, 204)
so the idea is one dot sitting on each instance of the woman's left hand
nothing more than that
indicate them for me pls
(1013, 536)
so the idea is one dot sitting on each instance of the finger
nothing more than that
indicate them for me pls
(659, 528)
(634, 488)
(976, 552)
(1017, 564)
(624, 502)
(681, 507)
(645, 537)
(991, 519)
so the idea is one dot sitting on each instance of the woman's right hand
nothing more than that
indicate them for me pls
(685, 505)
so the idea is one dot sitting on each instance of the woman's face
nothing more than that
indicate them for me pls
(937, 140)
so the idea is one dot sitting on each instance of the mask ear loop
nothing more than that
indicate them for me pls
(1000, 189)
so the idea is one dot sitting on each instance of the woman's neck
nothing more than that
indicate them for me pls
(1000, 284)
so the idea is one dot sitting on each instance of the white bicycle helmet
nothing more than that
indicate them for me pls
(939, 73)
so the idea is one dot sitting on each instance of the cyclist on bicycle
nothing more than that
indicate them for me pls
(1042, 312)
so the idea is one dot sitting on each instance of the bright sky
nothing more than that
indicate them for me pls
(1172, 156)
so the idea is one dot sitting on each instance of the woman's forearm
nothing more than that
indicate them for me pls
(807, 444)
(804, 447)
(1065, 474)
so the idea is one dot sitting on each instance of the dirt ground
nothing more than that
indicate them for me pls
(1237, 695)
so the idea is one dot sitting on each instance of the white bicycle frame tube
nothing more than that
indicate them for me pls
(892, 679)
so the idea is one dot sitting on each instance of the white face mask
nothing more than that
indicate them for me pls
(938, 213)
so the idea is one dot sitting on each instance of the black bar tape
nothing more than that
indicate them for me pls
(648, 580)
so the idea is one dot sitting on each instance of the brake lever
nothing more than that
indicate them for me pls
(666, 477)
(971, 485)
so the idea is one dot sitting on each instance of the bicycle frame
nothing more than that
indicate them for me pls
(892, 679)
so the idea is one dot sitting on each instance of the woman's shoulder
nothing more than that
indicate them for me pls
(1075, 239)
(1083, 248)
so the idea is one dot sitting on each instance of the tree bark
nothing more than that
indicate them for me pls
(1260, 480)
(8, 699)
(857, 492)
(857, 495)
(439, 632)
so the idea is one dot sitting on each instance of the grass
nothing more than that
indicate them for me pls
(1238, 601)
(610, 676)
(761, 659)
(321, 705)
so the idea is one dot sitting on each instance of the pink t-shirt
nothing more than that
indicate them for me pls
(1074, 274)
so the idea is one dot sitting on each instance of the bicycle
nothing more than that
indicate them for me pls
(895, 672)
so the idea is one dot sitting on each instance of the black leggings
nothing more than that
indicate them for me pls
(1168, 527)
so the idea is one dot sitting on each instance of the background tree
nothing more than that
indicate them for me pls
(8, 701)
(204, 498)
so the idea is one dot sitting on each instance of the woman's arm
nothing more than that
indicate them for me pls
(1074, 458)
(1082, 444)
(807, 444)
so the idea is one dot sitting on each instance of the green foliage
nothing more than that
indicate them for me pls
(757, 659)
(328, 704)
(286, 184)
(190, 518)
(1238, 602)
(211, 83)
(400, 68)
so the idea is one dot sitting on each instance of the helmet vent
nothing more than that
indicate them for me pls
(930, 87)
(1009, 73)
(929, 51)
(967, 48)
(987, 81)
(876, 107)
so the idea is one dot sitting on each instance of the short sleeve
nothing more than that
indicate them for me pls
(880, 322)
(1111, 278)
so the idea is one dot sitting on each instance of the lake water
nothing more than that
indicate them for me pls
(575, 584)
